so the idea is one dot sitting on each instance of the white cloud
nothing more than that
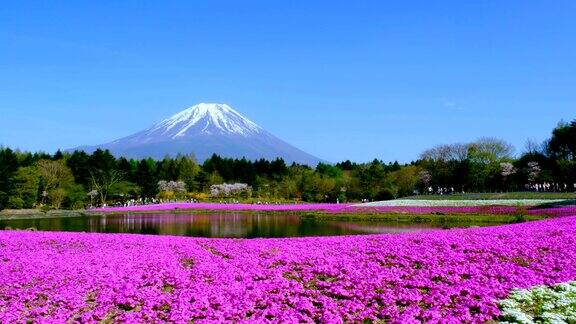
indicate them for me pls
(450, 103)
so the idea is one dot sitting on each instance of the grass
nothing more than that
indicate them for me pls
(435, 218)
(8, 214)
(497, 195)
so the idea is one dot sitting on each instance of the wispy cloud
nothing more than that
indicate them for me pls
(450, 103)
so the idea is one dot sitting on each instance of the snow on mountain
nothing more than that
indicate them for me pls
(202, 130)
(212, 118)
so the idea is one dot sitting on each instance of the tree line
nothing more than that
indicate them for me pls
(78, 179)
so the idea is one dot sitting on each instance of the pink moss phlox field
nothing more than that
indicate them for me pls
(439, 276)
(225, 207)
(345, 208)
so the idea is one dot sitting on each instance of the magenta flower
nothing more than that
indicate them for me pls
(438, 276)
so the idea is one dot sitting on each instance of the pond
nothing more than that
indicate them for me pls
(216, 224)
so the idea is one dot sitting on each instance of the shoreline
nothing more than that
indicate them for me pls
(366, 215)
(11, 214)
(324, 211)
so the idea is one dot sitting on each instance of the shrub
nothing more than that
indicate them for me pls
(46, 208)
(15, 203)
(198, 196)
(520, 214)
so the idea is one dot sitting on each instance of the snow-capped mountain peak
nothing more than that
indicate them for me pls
(202, 130)
(207, 118)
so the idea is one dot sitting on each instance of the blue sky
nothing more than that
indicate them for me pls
(339, 79)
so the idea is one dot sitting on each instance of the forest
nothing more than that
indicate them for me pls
(78, 180)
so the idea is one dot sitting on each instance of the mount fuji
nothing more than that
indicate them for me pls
(202, 130)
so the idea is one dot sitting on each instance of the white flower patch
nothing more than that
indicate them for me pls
(459, 203)
(541, 304)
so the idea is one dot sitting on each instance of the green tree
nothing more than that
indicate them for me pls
(8, 168)
(146, 179)
(168, 169)
(79, 164)
(188, 170)
(562, 145)
(56, 180)
(404, 180)
(27, 185)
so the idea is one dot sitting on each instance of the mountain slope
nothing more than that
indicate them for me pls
(202, 130)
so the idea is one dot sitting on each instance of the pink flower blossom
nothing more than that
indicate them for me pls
(346, 208)
(438, 276)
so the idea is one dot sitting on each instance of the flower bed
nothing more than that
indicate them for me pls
(448, 276)
(224, 207)
(541, 304)
(461, 203)
(490, 209)
(344, 208)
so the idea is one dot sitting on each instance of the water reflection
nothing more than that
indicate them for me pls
(233, 225)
